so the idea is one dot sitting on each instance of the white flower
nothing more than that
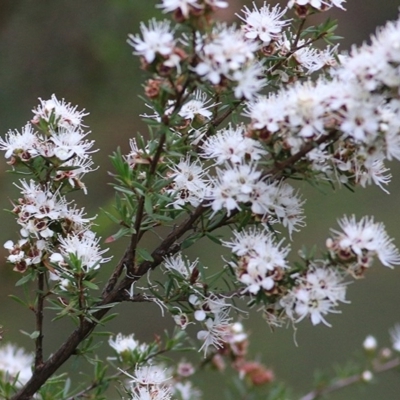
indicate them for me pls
(23, 145)
(318, 4)
(395, 336)
(183, 6)
(232, 186)
(316, 294)
(84, 246)
(259, 258)
(186, 391)
(232, 145)
(225, 51)
(64, 114)
(267, 112)
(149, 375)
(189, 184)
(287, 206)
(69, 143)
(197, 106)
(153, 392)
(370, 343)
(137, 155)
(14, 361)
(372, 170)
(216, 3)
(309, 58)
(365, 239)
(367, 376)
(326, 283)
(249, 81)
(264, 24)
(158, 38)
(178, 264)
(216, 330)
(123, 343)
(79, 167)
(311, 304)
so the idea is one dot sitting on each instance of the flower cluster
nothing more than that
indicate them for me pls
(261, 261)
(61, 143)
(236, 182)
(199, 172)
(360, 242)
(227, 54)
(315, 294)
(52, 228)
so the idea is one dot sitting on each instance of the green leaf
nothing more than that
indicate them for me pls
(213, 238)
(108, 317)
(90, 285)
(34, 335)
(18, 300)
(148, 206)
(24, 279)
(144, 254)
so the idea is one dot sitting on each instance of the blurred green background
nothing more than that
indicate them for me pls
(77, 49)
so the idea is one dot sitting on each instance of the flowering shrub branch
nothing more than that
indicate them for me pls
(199, 171)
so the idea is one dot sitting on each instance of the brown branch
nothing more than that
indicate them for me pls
(281, 166)
(128, 258)
(39, 322)
(351, 380)
(219, 119)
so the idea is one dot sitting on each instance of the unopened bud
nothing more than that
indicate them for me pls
(370, 343)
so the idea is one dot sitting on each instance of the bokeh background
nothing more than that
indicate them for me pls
(77, 49)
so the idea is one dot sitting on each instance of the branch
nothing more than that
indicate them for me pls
(281, 166)
(39, 322)
(351, 380)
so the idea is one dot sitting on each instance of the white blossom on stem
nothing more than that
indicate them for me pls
(84, 246)
(123, 343)
(363, 240)
(197, 106)
(64, 114)
(226, 52)
(316, 294)
(189, 184)
(260, 259)
(264, 24)
(183, 6)
(395, 336)
(232, 145)
(215, 330)
(23, 145)
(320, 5)
(179, 264)
(158, 38)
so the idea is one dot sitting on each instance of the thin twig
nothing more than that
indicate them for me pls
(351, 380)
(281, 166)
(39, 322)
